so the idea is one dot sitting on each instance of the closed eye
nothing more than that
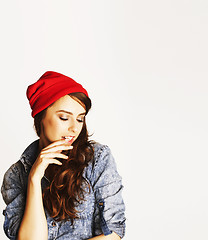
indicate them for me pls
(66, 119)
(63, 119)
(80, 120)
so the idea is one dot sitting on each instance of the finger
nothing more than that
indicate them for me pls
(62, 151)
(54, 155)
(56, 143)
(54, 161)
(51, 161)
(58, 148)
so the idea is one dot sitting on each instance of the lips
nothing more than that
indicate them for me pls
(69, 138)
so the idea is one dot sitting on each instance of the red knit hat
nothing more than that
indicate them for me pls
(50, 87)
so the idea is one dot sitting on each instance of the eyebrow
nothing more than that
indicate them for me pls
(71, 112)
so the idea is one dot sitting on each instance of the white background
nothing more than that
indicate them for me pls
(144, 64)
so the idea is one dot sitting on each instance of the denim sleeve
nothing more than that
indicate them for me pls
(13, 194)
(107, 184)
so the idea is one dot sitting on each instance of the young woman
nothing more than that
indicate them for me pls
(64, 186)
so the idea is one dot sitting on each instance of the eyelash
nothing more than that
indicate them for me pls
(65, 119)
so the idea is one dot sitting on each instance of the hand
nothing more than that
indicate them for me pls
(47, 156)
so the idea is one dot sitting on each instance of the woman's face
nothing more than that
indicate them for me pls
(64, 119)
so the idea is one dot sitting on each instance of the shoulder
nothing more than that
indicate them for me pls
(14, 171)
(100, 149)
(103, 164)
(19, 169)
(102, 155)
(12, 181)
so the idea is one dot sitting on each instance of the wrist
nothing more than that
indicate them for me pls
(34, 179)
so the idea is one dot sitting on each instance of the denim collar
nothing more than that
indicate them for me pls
(30, 154)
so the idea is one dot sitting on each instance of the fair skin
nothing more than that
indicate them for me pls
(62, 125)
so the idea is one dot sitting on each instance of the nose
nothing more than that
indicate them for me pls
(73, 126)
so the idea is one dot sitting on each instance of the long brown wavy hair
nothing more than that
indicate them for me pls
(67, 185)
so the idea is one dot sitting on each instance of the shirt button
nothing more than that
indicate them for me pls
(53, 224)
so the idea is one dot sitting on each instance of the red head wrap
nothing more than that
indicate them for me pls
(50, 87)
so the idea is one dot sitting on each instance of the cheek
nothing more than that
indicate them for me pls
(80, 128)
(53, 128)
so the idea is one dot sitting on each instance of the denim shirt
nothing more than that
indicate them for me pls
(102, 211)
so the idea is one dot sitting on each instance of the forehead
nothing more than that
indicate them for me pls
(67, 103)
